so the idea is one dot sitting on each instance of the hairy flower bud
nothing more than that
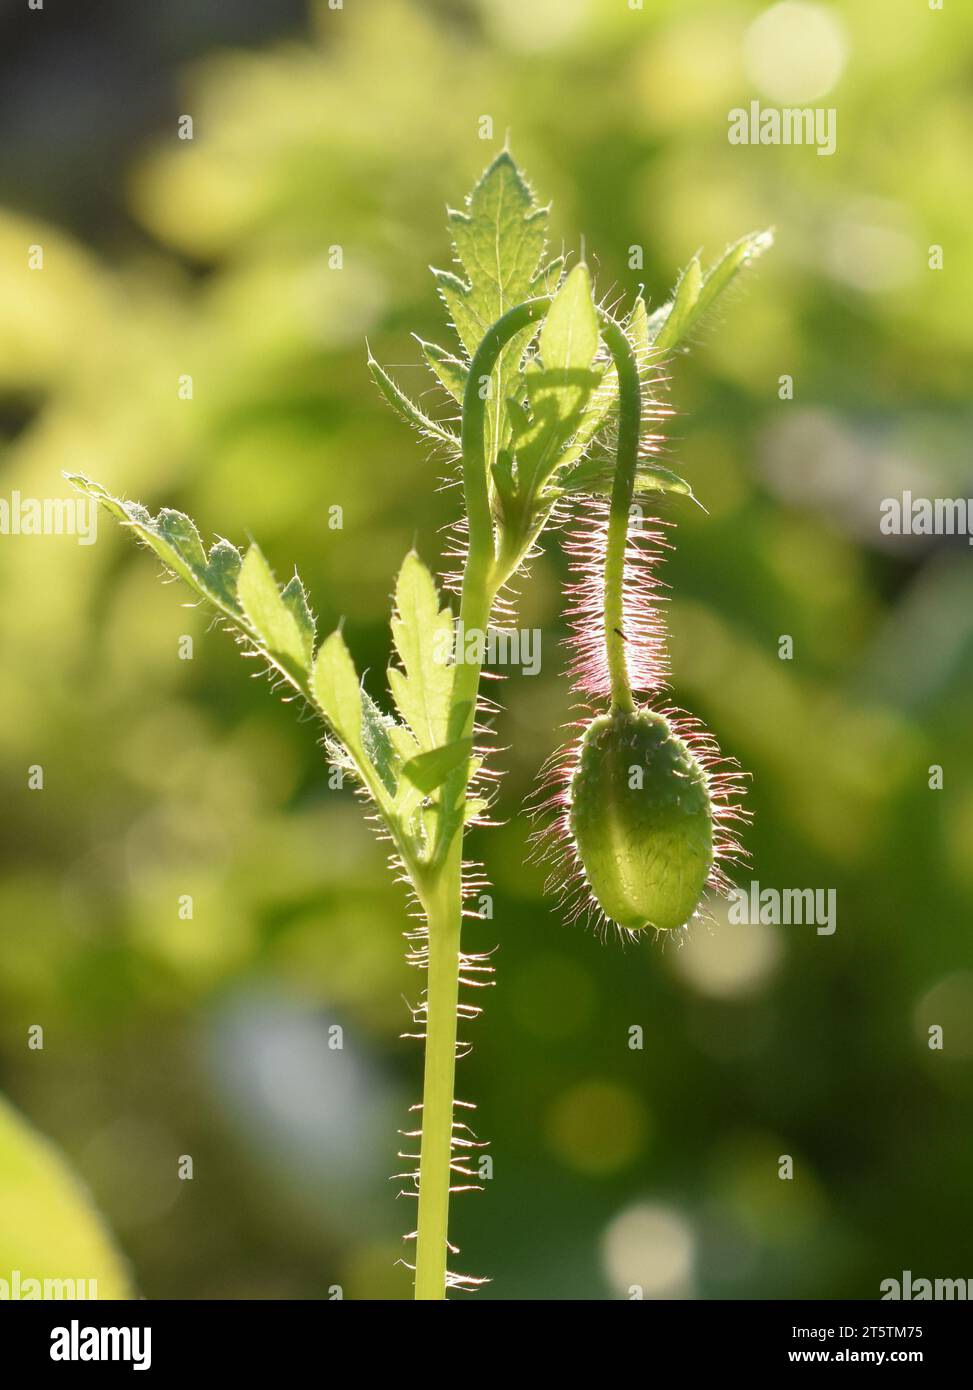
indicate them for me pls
(641, 817)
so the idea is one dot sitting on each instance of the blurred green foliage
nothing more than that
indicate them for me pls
(48, 1230)
(163, 777)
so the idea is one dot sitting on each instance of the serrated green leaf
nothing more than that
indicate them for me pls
(408, 409)
(370, 737)
(175, 540)
(448, 370)
(423, 637)
(281, 624)
(295, 597)
(429, 770)
(376, 737)
(355, 718)
(49, 1228)
(272, 619)
(181, 533)
(223, 571)
(334, 684)
(499, 240)
(454, 293)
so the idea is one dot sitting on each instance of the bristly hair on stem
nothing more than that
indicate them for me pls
(619, 642)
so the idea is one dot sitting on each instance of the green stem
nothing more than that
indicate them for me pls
(442, 898)
(480, 575)
(442, 993)
(444, 918)
(475, 474)
(623, 488)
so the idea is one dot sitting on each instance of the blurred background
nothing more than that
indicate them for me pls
(316, 127)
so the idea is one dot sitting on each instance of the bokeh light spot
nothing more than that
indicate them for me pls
(597, 1127)
(539, 25)
(795, 51)
(649, 1248)
(728, 960)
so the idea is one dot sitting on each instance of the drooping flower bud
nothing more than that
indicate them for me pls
(642, 818)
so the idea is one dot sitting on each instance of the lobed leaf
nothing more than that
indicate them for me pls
(288, 638)
(499, 240)
(295, 597)
(176, 541)
(223, 572)
(334, 684)
(423, 637)
(376, 738)
(356, 719)
(280, 625)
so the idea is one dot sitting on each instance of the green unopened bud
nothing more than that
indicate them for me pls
(642, 820)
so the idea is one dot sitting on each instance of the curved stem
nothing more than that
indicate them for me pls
(475, 479)
(480, 578)
(442, 898)
(629, 422)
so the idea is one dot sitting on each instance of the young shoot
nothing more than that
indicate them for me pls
(556, 421)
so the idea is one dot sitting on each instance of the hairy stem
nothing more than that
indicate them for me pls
(629, 422)
(481, 579)
(442, 898)
(475, 477)
(442, 991)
